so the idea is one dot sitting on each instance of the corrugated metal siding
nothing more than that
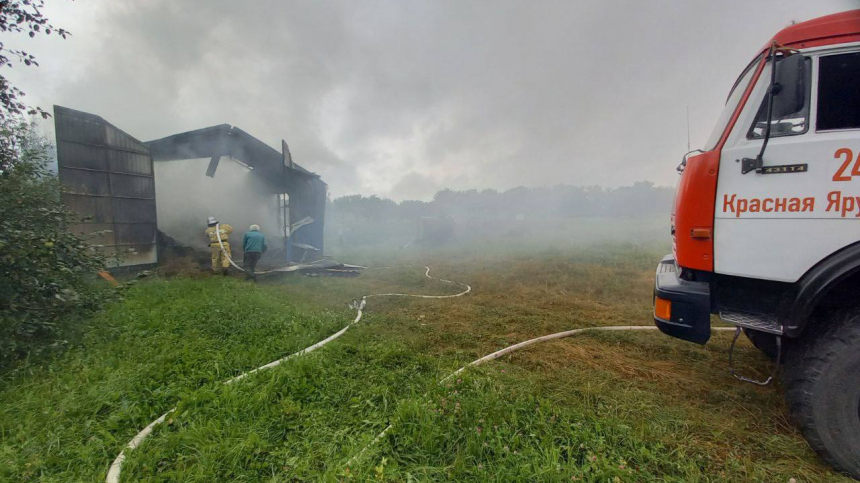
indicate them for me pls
(131, 163)
(109, 180)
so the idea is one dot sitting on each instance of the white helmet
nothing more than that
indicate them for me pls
(212, 221)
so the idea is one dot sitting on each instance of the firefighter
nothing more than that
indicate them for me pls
(254, 246)
(220, 257)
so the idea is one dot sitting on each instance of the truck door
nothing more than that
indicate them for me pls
(805, 204)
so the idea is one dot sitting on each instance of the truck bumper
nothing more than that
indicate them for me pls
(682, 308)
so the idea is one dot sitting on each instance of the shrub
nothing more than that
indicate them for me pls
(47, 271)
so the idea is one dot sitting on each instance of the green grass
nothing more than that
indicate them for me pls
(602, 407)
(66, 420)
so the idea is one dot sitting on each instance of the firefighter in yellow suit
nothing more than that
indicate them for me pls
(220, 262)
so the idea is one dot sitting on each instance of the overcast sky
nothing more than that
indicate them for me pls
(403, 98)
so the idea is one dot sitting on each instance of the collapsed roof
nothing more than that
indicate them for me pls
(225, 140)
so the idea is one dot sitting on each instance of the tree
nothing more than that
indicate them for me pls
(21, 16)
(47, 270)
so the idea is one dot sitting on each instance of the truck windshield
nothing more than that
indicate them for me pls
(732, 103)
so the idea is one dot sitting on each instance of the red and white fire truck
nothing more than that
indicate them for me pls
(766, 227)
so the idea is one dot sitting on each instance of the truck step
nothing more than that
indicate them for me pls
(750, 320)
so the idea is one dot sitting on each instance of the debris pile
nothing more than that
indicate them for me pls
(321, 267)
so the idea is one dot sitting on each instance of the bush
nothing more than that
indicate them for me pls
(48, 272)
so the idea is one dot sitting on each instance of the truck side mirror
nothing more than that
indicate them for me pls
(786, 98)
(790, 87)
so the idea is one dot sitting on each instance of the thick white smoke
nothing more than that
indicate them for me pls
(186, 197)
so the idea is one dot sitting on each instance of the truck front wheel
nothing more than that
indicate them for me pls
(823, 390)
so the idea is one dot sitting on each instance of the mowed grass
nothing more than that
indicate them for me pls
(600, 407)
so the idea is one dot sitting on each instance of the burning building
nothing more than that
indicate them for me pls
(128, 190)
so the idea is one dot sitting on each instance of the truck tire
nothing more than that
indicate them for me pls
(764, 342)
(822, 376)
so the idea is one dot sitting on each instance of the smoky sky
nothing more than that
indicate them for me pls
(403, 98)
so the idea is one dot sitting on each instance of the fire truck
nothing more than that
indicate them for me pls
(766, 228)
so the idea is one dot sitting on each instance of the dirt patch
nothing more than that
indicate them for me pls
(182, 266)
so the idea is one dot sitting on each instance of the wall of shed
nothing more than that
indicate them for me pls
(308, 198)
(108, 180)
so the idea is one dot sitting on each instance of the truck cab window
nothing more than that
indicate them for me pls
(732, 101)
(788, 123)
(838, 92)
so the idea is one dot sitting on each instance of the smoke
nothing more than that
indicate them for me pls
(186, 197)
(378, 96)
(520, 219)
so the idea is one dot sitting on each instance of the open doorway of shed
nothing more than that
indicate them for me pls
(186, 197)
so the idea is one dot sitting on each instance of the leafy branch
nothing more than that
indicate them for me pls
(21, 16)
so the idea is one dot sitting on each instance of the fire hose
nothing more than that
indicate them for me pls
(224, 251)
(258, 272)
(513, 348)
(115, 469)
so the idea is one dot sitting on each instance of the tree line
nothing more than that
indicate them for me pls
(563, 201)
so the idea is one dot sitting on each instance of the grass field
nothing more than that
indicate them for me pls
(602, 407)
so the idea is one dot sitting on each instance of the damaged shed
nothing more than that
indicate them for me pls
(129, 189)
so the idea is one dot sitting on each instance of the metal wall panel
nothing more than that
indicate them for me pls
(85, 182)
(128, 162)
(98, 233)
(92, 209)
(132, 233)
(130, 210)
(82, 155)
(79, 127)
(132, 186)
(121, 141)
(109, 181)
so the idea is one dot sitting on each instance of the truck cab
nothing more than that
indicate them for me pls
(766, 227)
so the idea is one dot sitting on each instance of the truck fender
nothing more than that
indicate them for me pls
(816, 283)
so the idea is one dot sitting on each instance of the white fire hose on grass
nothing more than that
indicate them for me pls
(115, 470)
(513, 348)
